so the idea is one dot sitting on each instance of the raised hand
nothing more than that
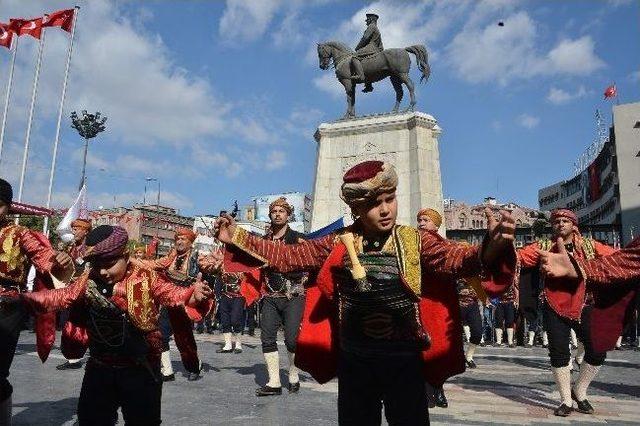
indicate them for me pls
(224, 228)
(501, 235)
(201, 290)
(557, 265)
(212, 262)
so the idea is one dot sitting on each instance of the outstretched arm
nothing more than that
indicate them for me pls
(305, 255)
(55, 299)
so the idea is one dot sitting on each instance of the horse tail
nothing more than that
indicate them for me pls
(422, 59)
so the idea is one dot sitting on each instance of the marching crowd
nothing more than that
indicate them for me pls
(383, 307)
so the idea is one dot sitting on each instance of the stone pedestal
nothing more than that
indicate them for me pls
(409, 141)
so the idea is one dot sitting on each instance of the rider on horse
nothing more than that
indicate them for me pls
(370, 44)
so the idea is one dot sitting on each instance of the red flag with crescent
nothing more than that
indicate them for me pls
(32, 27)
(611, 92)
(60, 18)
(5, 36)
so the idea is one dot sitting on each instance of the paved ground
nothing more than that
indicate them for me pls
(510, 386)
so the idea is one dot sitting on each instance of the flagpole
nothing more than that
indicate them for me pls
(45, 226)
(6, 101)
(25, 155)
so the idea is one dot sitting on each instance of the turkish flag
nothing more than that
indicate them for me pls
(61, 18)
(32, 27)
(611, 92)
(5, 36)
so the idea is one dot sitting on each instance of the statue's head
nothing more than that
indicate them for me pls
(371, 17)
(324, 57)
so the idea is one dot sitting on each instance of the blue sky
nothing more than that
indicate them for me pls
(219, 100)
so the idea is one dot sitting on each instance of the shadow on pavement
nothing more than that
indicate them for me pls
(524, 394)
(616, 389)
(45, 412)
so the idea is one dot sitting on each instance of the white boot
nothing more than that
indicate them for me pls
(294, 377)
(467, 333)
(471, 349)
(498, 336)
(587, 374)
(510, 337)
(166, 368)
(545, 339)
(532, 335)
(238, 345)
(5, 411)
(562, 376)
(273, 368)
(227, 342)
(619, 342)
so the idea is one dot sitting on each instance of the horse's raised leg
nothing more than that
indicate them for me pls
(412, 96)
(350, 91)
(397, 86)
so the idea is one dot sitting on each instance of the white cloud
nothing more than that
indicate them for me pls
(123, 71)
(246, 20)
(276, 160)
(574, 57)
(485, 52)
(328, 83)
(528, 121)
(560, 96)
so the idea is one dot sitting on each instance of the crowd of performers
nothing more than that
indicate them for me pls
(380, 306)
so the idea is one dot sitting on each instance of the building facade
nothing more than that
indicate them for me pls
(145, 222)
(606, 193)
(469, 223)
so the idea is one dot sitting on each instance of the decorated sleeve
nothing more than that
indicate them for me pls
(38, 250)
(603, 249)
(619, 267)
(305, 255)
(55, 299)
(168, 294)
(450, 258)
(528, 255)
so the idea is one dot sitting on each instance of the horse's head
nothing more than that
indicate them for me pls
(324, 56)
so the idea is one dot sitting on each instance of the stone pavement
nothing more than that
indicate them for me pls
(510, 386)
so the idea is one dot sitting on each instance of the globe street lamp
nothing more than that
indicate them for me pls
(88, 127)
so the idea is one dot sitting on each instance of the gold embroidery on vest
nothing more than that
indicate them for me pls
(407, 244)
(11, 255)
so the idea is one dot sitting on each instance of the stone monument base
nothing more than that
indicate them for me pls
(409, 141)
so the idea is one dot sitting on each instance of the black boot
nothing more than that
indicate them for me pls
(583, 406)
(563, 410)
(268, 391)
(440, 399)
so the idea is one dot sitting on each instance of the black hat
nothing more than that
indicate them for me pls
(6, 192)
(372, 15)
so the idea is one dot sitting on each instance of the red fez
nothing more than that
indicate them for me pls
(363, 171)
(188, 233)
(565, 213)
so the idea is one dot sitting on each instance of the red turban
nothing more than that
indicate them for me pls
(367, 180)
(185, 232)
(81, 223)
(565, 213)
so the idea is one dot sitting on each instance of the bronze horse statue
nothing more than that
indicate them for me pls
(392, 63)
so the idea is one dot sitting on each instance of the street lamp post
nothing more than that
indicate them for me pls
(88, 127)
(156, 180)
